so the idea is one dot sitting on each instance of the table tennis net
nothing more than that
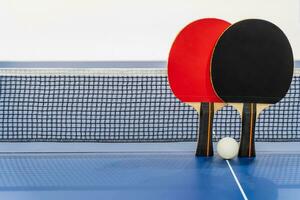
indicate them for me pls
(120, 105)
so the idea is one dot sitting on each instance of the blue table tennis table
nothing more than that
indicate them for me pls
(159, 174)
(34, 166)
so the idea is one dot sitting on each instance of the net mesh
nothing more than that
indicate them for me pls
(120, 105)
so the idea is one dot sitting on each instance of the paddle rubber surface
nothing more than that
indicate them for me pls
(189, 60)
(252, 63)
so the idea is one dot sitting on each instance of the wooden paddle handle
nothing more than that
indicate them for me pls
(204, 143)
(247, 144)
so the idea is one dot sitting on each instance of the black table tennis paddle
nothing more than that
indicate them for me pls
(251, 67)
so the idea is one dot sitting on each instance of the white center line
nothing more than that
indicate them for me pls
(237, 181)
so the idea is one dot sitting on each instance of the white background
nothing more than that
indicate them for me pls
(40, 30)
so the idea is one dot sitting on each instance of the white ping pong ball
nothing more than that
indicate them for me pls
(227, 148)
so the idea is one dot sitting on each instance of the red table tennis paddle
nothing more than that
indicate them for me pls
(252, 67)
(189, 74)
